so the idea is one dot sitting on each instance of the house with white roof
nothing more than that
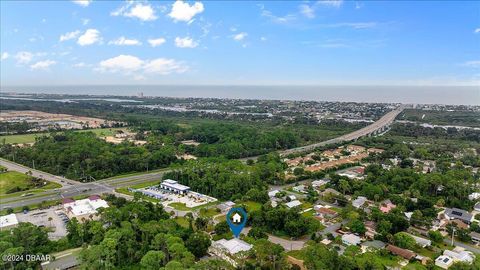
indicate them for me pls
(421, 241)
(474, 196)
(294, 203)
(174, 186)
(459, 254)
(273, 193)
(351, 239)
(228, 249)
(359, 201)
(444, 261)
(8, 222)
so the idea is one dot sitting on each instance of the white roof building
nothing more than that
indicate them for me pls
(421, 241)
(8, 221)
(172, 185)
(474, 196)
(227, 249)
(84, 208)
(459, 254)
(273, 193)
(351, 239)
(294, 203)
(359, 202)
(443, 261)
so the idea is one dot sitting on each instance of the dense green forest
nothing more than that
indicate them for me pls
(230, 179)
(83, 155)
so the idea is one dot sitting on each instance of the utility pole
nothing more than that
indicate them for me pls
(453, 234)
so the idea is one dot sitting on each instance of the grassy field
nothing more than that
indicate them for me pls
(252, 206)
(30, 138)
(11, 180)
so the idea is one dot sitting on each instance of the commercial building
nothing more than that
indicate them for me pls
(84, 209)
(229, 249)
(8, 222)
(174, 186)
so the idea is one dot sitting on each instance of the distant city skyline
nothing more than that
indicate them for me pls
(240, 43)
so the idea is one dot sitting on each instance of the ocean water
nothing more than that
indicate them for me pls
(454, 95)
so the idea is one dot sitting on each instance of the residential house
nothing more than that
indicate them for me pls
(293, 204)
(371, 227)
(372, 245)
(474, 196)
(224, 207)
(475, 238)
(459, 254)
(404, 253)
(273, 193)
(351, 239)
(359, 201)
(387, 206)
(300, 188)
(292, 197)
(422, 242)
(228, 250)
(325, 213)
(456, 213)
(477, 207)
(319, 183)
(443, 261)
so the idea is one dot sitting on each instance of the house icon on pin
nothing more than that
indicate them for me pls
(236, 218)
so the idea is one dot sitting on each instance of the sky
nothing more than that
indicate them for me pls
(240, 43)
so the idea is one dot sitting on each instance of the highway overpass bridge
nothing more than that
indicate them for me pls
(377, 127)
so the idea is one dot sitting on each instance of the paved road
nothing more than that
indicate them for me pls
(77, 188)
(12, 166)
(380, 124)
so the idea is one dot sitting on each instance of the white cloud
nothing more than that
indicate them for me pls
(473, 64)
(85, 21)
(355, 25)
(185, 42)
(127, 64)
(43, 65)
(122, 41)
(24, 57)
(83, 3)
(182, 11)
(277, 19)
(5, 55)
(79, 65)
(263, 38)
(331, 3)
(156, 42)
(477, 31)
(240, 36)
(165, 66)
(69, 35)
(143, 12)
(91, 36)
(307, 11)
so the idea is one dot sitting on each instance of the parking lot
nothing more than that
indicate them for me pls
(52, 217)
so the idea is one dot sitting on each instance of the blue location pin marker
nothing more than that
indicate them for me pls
(236, 219)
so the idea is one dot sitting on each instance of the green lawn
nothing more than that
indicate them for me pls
(252, 206)
(24, 184)
(30, 138)
(208, 212)
(182, 221)
(180, 206)
(297, 254)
